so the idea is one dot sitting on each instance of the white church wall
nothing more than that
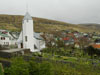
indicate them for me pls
(28, 34)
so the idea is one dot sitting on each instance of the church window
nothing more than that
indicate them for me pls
(27, 20)
(35, 47)
(26, 38)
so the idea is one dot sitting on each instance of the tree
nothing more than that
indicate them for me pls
(1, 69)
(91, 51)
(83, 42)
(21, 67)
(45, 68)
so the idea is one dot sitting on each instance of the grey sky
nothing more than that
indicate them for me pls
(72, 11)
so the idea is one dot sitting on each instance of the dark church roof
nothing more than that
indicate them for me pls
(37, 36)
(27, 16)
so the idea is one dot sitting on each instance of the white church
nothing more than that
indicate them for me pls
(28, 39)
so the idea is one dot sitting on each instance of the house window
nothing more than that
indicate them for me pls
(4, 43)
(2, 38)
(9, 38)
(26, 38)
(7, 43)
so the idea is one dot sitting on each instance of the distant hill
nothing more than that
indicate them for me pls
(14, 22)
(92, 26)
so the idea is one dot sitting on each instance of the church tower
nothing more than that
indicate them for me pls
(27, 32)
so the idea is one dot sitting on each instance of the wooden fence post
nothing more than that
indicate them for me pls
(1, 69)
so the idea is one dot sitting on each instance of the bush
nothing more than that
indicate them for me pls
(45, 69)
(33, 68)
(21, 67)
(37, 54)
(18, 67)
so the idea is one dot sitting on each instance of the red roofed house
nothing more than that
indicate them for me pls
(96, 46)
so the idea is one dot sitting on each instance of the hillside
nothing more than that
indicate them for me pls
(91, 26)
(14, 22)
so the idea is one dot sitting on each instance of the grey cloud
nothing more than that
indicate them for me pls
(73, 11)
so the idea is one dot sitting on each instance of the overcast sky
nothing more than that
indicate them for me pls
(72, 11)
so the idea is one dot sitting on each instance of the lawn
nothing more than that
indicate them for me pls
(57, 57)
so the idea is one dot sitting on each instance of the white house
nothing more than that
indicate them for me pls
(6, 38)
(28, 39)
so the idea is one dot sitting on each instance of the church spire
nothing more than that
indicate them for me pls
(26, 6)
(27, 16)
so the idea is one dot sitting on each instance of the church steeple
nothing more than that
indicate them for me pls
(27, 32)
(27, 16)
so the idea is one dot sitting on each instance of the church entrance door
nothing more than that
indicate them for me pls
(21, 45)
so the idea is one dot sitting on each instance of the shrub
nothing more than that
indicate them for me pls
(33, 68)
(37, 54)
(45, 68)
(18, 67)
(21, 67)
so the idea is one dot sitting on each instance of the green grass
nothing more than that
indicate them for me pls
(70, 59)
(57, 57)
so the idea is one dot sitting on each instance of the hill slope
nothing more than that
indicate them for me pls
(14, 22)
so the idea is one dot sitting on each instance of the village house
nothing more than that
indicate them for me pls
(69, 39)
(76, 38)
(96, 44)
(7, 38)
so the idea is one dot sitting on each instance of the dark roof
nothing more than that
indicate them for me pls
(3, 34)
(38, 36)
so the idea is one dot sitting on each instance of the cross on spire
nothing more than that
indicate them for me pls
(26, 5)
